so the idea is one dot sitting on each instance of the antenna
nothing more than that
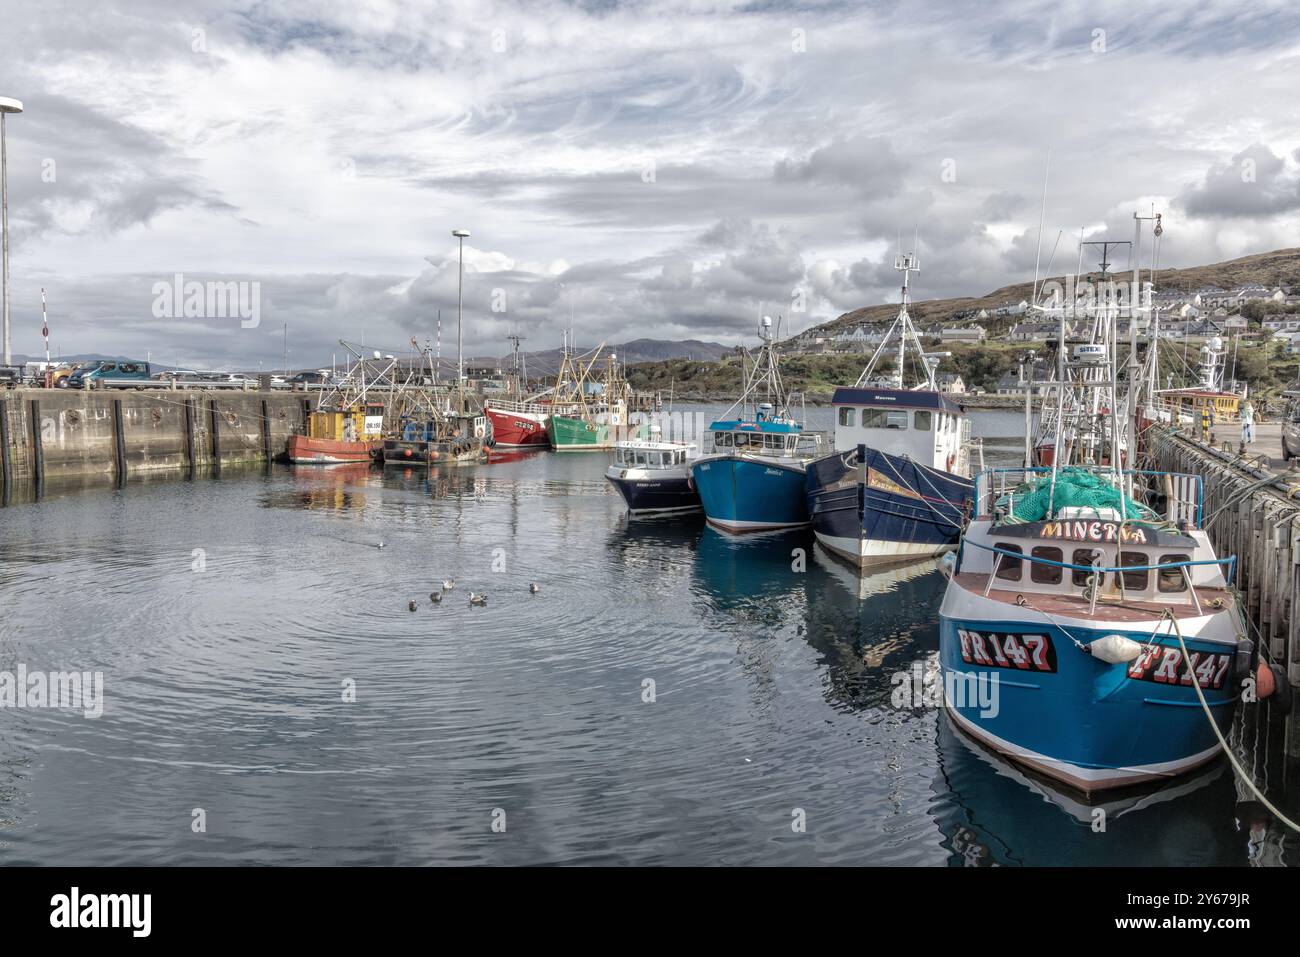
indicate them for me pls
(1042, 212)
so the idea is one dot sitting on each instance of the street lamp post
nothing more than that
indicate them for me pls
(462, 235)
(7, 105)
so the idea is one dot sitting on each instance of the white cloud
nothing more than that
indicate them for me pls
(325, 147)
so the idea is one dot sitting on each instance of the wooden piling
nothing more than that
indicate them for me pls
(6, 465)
(119, 443)
(266, 432)
(38, 449)
(189, 435)
(216, 437)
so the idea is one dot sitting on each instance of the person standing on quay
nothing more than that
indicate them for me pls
(1247, 425)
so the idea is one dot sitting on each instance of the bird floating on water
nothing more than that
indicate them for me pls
(448, 584)
(412, 605)
(435, 596)
(379, 545)
(477, 599)
(534, 587)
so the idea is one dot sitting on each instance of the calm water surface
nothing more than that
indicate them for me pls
(230, 616)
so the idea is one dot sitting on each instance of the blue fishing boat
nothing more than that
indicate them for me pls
(1088, 629)
(1069, 643)
(751, 477)
(897, 487)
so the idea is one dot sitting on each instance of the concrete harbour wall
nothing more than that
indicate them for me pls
(50, 435)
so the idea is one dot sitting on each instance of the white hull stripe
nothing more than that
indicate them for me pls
(872, 552)
(733, 525)
(1085, 779)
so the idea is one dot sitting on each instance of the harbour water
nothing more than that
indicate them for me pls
(671, 695)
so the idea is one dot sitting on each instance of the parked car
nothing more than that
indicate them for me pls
(57, 378)
(11, 377)
(312, 378)
(1291, 427)
(178, 374)
(103, 370)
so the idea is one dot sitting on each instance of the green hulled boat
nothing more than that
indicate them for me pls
(571, 434)
(599, 411)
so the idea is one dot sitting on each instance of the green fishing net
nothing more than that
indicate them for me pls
(1075, 488)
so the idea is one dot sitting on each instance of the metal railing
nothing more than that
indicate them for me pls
(1097, 570)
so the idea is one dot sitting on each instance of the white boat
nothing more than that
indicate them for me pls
(654, 476)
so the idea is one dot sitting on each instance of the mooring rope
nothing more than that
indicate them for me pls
(1214, 726)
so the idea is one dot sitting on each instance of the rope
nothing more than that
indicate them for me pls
(903, 482)
(1237, 497)
(1200, 695)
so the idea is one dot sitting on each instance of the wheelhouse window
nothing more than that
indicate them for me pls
(1045, 574)
(722, 440)
(1009, 567)
(922, 421)
(874, 418)
(1171, 579)
(1135, 580)
(1082, 556)
(847, 416)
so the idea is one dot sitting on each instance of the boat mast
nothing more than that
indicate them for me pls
(516, 365)
(906, 331)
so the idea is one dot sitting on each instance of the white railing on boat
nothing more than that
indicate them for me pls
(533, 408)
(1096, 570)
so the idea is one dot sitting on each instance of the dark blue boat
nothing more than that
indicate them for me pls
(654, 478)
(872, 508)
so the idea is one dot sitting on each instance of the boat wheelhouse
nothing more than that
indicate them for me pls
(897, 486)
(654, 477)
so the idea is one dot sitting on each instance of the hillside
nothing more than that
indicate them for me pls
(1281, 267)
(1266, 367)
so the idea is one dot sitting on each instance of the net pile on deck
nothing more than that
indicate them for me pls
(1074, 488)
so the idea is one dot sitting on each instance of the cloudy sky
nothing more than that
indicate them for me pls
(647, 169)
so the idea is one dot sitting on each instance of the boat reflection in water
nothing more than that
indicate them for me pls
(870, 625)
(339, 488)
(753, 577)
(985, 806)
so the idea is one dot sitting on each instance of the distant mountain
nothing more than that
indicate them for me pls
(20, 359)
(629, 353)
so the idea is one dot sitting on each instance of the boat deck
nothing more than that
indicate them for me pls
(1075, 606)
